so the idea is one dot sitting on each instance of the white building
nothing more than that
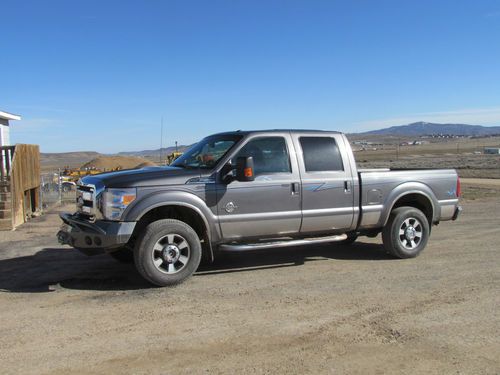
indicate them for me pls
(4, 127)
(492, 150)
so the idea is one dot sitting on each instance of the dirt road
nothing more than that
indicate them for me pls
(493, 182)
(319, 310)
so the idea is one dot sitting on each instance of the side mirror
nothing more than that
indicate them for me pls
(244, 169)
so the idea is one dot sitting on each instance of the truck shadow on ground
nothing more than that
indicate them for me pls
(51, 269)
(292, 257)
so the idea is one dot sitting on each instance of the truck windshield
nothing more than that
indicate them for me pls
(207, 153)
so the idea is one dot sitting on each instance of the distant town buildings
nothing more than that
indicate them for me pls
(445, 136)
(413, 143)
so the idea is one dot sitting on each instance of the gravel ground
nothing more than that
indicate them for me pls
(323, 309)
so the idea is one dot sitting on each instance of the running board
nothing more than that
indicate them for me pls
(282, 243)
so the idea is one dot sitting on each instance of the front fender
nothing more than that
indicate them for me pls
(174, 198)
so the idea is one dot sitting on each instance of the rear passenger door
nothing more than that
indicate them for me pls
(327, 184)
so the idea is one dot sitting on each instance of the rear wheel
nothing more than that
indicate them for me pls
(167, 252)
(406, 233)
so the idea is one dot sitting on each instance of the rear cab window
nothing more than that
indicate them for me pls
(321, 154)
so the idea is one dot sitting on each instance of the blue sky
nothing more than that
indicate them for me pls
(99, 75)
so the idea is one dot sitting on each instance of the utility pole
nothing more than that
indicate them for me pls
(175, 146)
(161, 139)
(59, 185)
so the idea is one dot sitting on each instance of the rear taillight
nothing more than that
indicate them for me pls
(459, 190)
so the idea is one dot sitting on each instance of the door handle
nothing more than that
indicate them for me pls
(347, 186)
(295, 188)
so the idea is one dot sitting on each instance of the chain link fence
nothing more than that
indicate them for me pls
(55, 189)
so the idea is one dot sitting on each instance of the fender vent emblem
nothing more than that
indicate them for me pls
(230, 207)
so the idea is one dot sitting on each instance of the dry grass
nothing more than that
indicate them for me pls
(389, 146)
(457, 154)
(467, 165)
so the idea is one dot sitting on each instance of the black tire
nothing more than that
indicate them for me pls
(398, 239)
(123, 255)
(169, 235)
(351, 238)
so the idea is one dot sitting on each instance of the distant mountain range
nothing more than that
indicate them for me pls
(429, 128)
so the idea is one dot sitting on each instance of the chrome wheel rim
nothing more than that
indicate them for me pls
(410, 233)
(171, 254)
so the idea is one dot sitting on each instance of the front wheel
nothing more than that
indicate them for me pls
(167, 252)
(406, 233)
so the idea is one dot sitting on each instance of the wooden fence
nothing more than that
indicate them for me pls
(20, 170)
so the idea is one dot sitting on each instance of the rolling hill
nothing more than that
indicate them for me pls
(53, 161)
(153, 153)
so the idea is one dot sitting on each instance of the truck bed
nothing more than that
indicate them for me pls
(380, 188)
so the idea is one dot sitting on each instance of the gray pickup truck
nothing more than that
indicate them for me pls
(250, 190)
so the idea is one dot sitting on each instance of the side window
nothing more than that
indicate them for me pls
(321, 154)
(270, 155)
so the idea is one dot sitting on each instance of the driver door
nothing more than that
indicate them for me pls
(269, 206)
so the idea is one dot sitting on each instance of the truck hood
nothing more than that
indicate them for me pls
(149, 176)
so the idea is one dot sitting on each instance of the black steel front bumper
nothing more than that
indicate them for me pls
(93, 238)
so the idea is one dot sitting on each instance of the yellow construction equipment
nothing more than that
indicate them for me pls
(172, 156)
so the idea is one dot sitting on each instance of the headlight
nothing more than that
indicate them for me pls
(115, 201)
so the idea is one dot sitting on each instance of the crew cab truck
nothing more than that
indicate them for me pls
(249, 190)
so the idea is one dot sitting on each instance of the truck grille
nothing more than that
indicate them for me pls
(85, 200)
